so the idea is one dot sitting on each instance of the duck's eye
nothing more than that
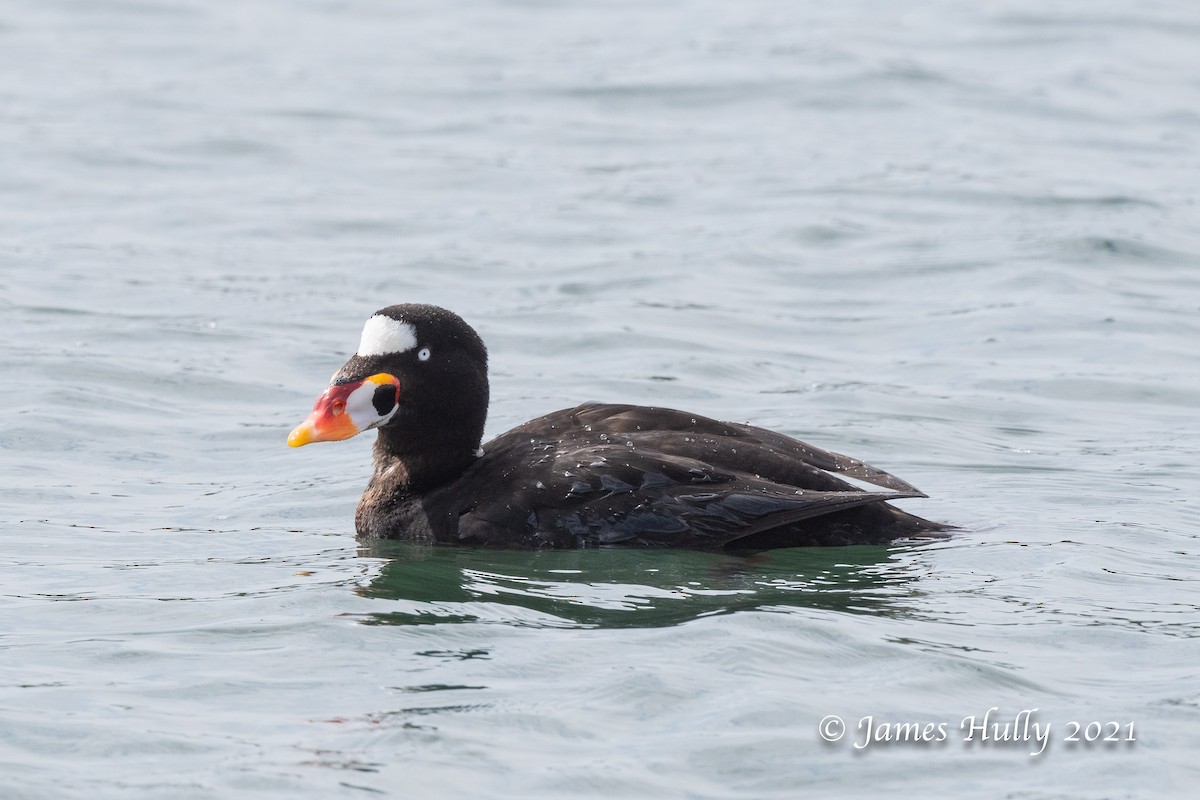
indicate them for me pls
(339, 407)
(423, 354)
(384, 399)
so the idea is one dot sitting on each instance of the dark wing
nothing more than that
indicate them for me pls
(620, 495)
(685, 517)
(733, 445)
(606, 474)
(829, 461)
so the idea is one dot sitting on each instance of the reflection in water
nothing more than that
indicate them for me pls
(626, 588)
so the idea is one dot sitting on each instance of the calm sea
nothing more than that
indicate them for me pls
(958, 240)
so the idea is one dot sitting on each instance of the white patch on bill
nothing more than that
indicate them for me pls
(382, 335)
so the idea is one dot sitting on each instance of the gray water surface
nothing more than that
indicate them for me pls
(957, 240)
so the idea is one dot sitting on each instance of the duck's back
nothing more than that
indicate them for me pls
(629, 475)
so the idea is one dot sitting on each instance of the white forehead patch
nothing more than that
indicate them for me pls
(382, 335)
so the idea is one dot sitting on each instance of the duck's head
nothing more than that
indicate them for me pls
(419, 376)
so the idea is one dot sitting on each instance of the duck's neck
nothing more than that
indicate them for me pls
(404, 469)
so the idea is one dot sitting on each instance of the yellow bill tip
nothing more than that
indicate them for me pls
(302, 435)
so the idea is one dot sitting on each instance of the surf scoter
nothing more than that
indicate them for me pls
(596, 474)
